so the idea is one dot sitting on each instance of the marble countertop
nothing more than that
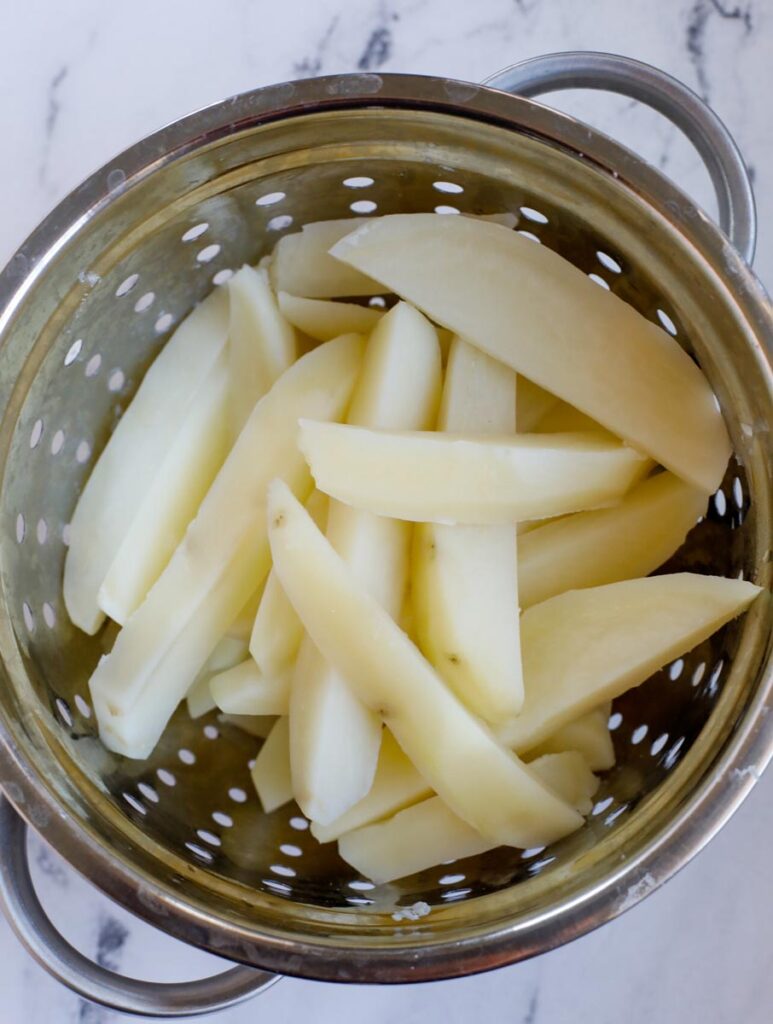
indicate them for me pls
(80, 81)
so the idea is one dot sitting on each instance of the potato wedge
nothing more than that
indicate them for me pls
(562, 418)
(396, 785)
(301, 264)
(229, 652)
(589, 735)
(244, 690)
(135, 456)
(589, 549)
(277, 630)
(495, 793)
(261, 343)
(429, 833)
(241, 627)
(588, 646)
(323, 320)
(526, 305)
(399, 386)
(172, 500)
(225, 549)
(455, 478)
(465, 588)
(271, 771)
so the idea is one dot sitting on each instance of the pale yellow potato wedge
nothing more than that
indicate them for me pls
(261, 342)
(588, 646)
(271, 771)
(277, 630)
(592, 548)
(245, 690)
(258, 726)
(465, 587)
(136, 454)
(429, 833)
(229, 652)
(323, 319)
(458, 755)
(135, 730)
(466, 478)
(529, 307)
(301, 264)
(589, 735)
(396, 785)
(532, 404)
(225, 549)
(172, 500)
(398, 387)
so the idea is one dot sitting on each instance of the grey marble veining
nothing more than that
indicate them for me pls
(79, 81)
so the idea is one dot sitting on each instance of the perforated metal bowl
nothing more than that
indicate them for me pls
(87, 303)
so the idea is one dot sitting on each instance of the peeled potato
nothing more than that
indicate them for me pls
(589, 735)
(526, 305)
(171, 502)
(429, 833)
(229, 652)
(225, 550)
(465, 588)
(591, 548)
(277, 630)
(261, 343)
(396, 785)
(244, 690)
(399, 386)
(532, 404)
(301, 264)
(135, 456)
(323, 320)
(271, 771)
(454, 478)
(488, 786)
(588, 646)
(562, 418)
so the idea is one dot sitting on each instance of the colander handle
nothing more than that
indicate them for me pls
(684, 108)
(22, 908)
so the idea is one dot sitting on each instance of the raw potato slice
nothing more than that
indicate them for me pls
(261, 343)
(277, 630)
(229, 652)
(453, 478)
(301, 263)
(589, 735)
(588, 646)
(592, 548)
(570, 776)
(172, 501)
(258, 726)
(490, 788)
(532, 404)
(135, 455)
(244, 690)
(396, 785)
(429, 833)
(465, 589)
(225, 549)
(271, 771)
(526, 305)
(398, 387)
(323, 320)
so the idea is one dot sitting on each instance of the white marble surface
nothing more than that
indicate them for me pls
(81, 80)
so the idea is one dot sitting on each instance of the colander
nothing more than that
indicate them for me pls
(86, 304)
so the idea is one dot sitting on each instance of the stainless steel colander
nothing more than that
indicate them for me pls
(86, 304)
